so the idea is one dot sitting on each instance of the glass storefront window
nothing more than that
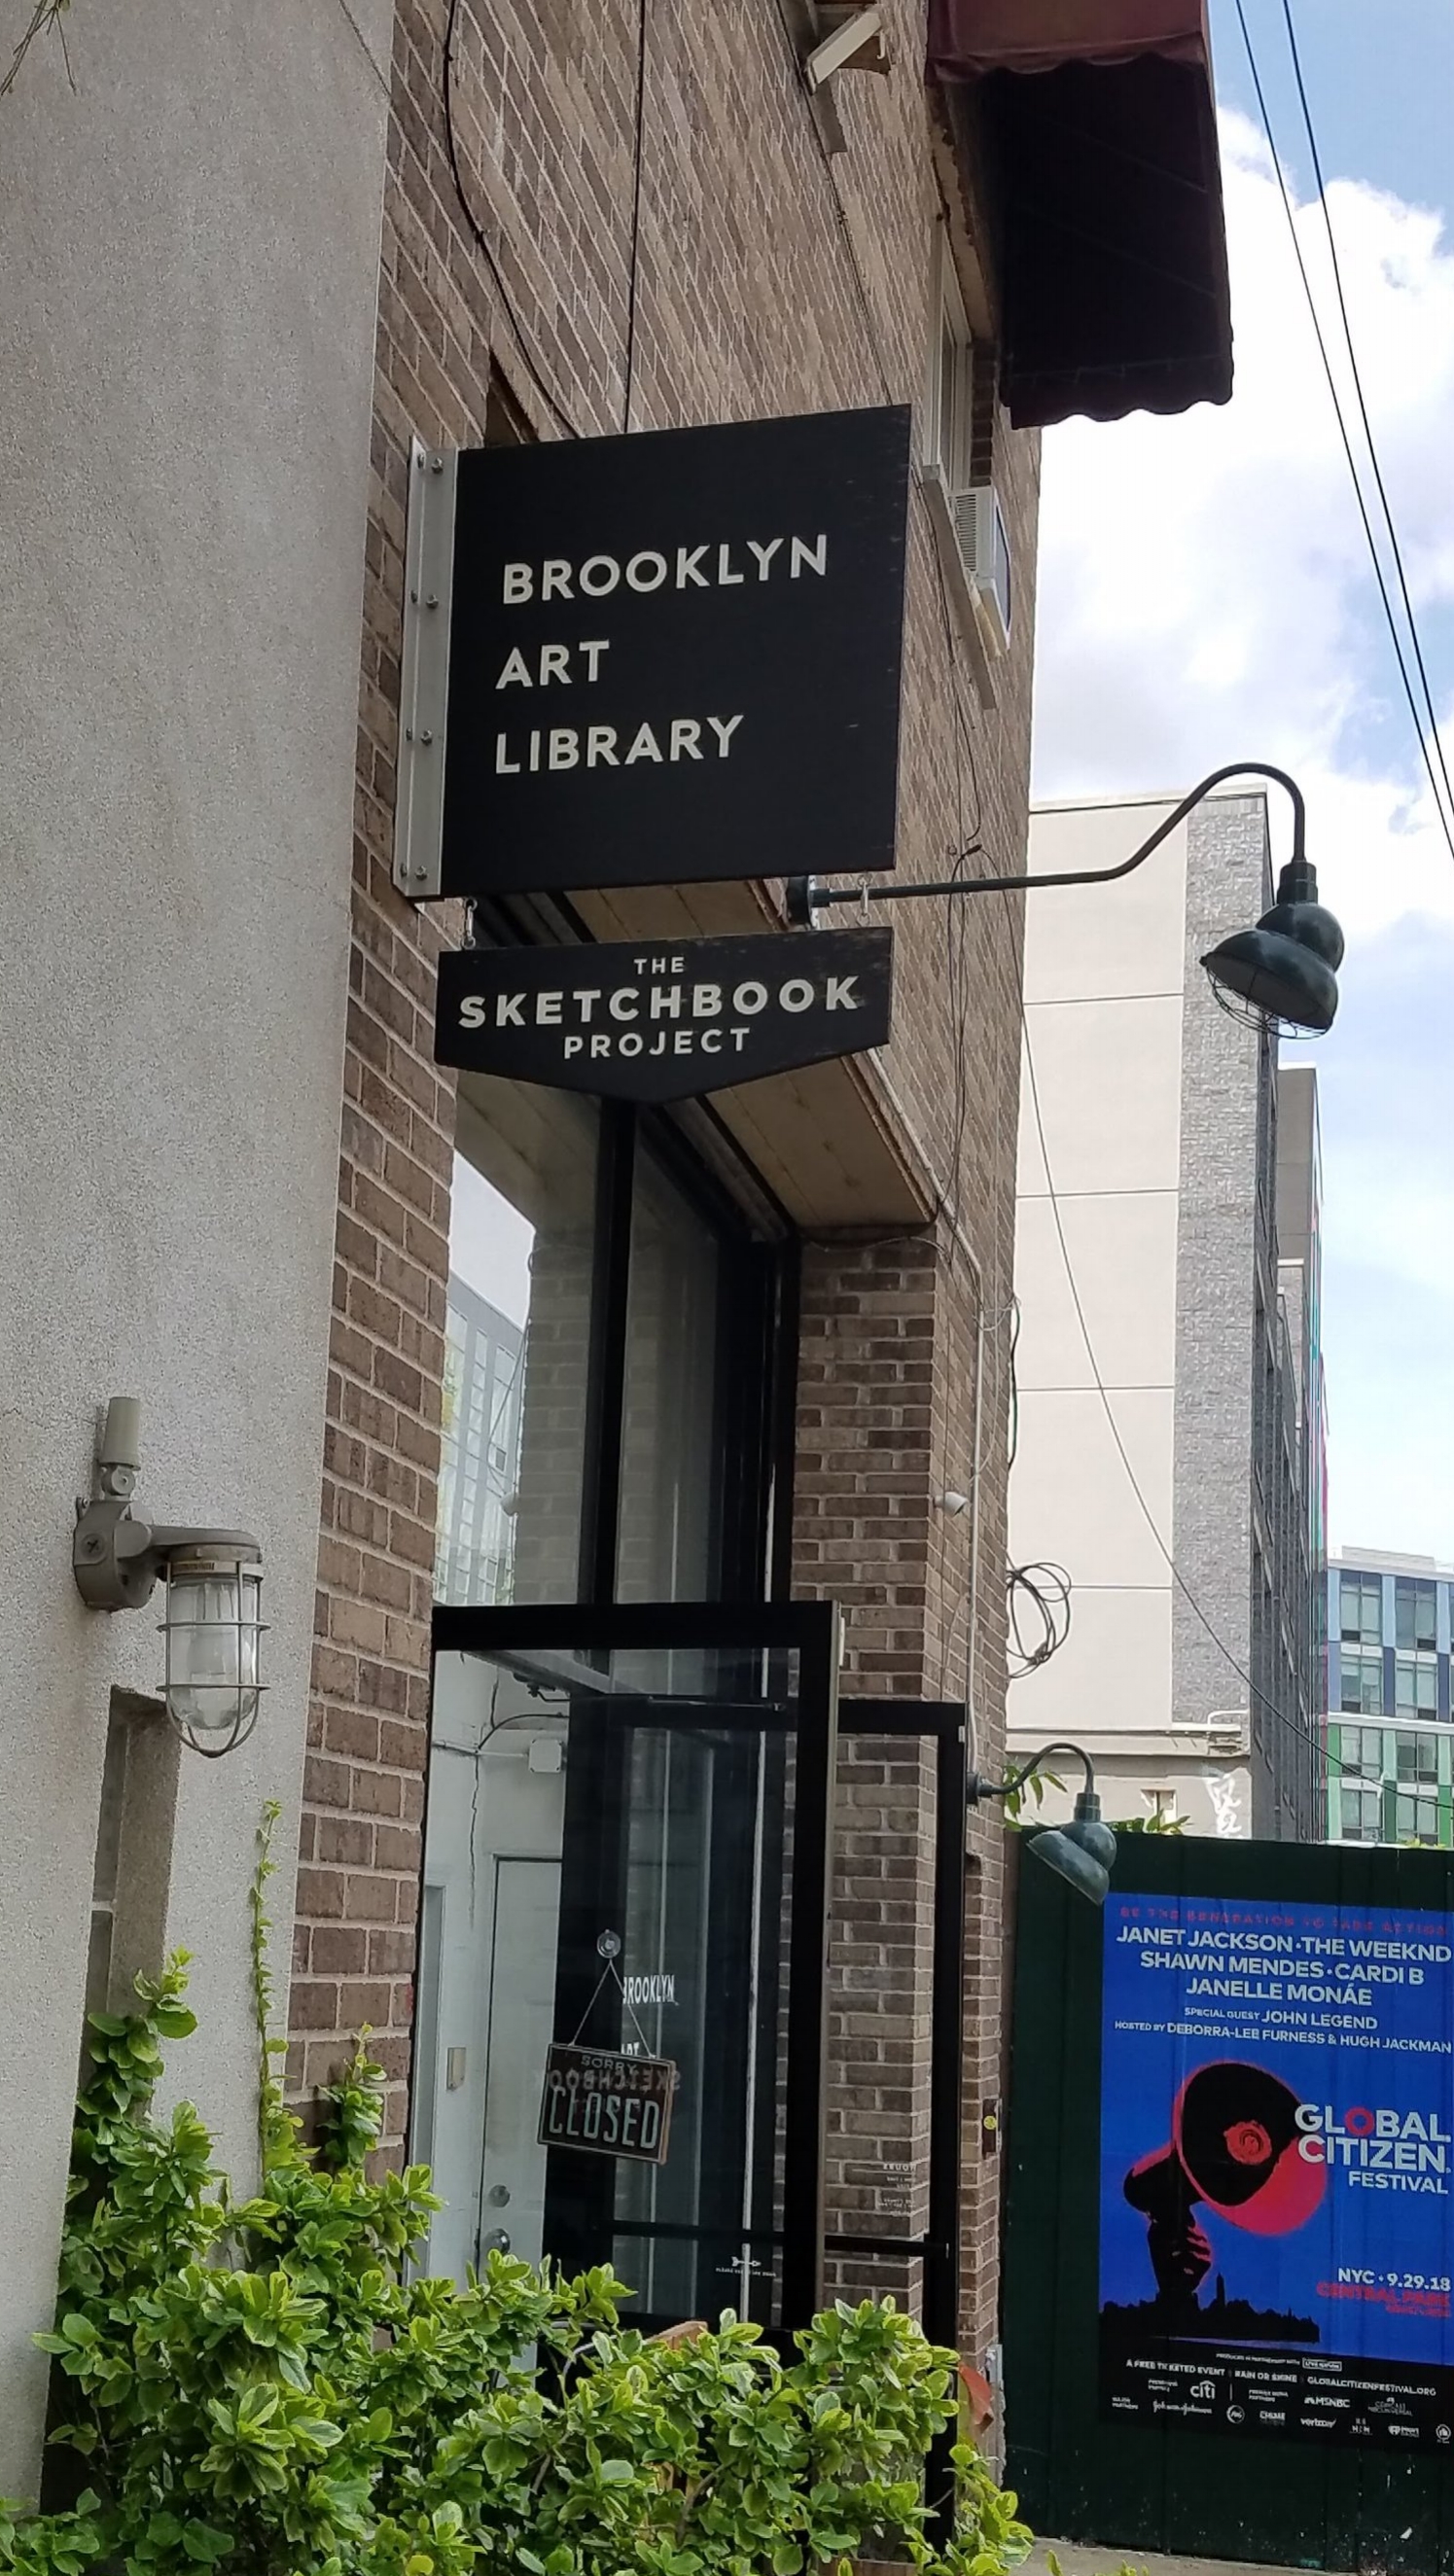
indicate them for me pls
(670, 1470)
(618, 1837)
(604, 1319)
(517, 1347)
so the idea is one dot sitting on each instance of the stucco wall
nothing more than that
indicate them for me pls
(186, 339)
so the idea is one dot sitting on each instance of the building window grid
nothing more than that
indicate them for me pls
(1360, 1609)
(1360, 1683)
(1415, 1613)
(1393, 1785)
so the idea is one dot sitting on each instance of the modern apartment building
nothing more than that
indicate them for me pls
(1170, 1387)
(479, 1454)
(267, 270)
(1390, 1777)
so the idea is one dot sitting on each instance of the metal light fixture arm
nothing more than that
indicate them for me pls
(977, 1787)
(806, 896)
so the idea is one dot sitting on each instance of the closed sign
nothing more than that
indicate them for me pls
(606, 2103)
(629, 1021)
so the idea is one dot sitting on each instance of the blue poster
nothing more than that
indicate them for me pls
(1276, 2218)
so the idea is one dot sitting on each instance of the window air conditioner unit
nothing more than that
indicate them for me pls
(984, 548)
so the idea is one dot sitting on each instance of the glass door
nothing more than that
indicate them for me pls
(626, 1869)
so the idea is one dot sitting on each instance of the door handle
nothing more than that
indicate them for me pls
(497, 2241)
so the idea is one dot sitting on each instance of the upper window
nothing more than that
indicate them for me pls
(1360, 1679)
(1361, 1609)
(1360, 1751)
(1417, 1760)
(517, 1350)
(1414, 1613)
(1361, 1815)
(1416, 1685)
(1416, 1820)
(951, 441)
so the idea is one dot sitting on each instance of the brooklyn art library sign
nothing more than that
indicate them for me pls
(656, 660)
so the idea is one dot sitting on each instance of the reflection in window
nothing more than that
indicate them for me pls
(1416, 1820)
(1360, 1684)
(1360, 1609)
(668, 1455)
(1417, 1759)
(1361, 1815)
(517, 1347)
(1416, 1685)
(1415, 1613)
(1360, 1750)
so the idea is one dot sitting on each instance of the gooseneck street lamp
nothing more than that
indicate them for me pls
(1082, 1851)
(1282, 974)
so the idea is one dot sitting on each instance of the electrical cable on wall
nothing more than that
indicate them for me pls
(1036, 1596)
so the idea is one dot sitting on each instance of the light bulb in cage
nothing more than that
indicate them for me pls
(1282, 976)
(212, 1632)
(212, 1635)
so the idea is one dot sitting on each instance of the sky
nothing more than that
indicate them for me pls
(1205, 593)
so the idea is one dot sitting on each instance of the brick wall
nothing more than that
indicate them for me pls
(767, 282)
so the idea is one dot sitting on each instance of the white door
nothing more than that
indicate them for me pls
(522, 2010)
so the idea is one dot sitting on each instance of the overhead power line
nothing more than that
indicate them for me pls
(1362, 405)
(1428, 758)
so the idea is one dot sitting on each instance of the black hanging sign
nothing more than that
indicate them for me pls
(607, 2103)
(670, 657)
(630, 1020)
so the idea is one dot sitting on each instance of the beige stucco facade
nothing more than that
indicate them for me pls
(186, 344)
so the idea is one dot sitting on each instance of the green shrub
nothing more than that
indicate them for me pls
(262, 2388)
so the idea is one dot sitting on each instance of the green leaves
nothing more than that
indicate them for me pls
(264, 2391)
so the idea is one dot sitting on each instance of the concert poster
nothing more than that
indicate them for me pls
(1276, 2218)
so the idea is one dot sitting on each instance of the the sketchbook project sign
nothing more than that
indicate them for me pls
(1276, 2212)
(628, 1021)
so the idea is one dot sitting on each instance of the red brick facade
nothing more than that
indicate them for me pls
(768, 280)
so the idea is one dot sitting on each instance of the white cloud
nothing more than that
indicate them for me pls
(1205, 595)
(1205, 589)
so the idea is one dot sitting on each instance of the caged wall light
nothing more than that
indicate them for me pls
(212, 1631)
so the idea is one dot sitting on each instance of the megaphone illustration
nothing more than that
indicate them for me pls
(1234, 2147)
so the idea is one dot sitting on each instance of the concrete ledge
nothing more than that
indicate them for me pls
(1075, 2560)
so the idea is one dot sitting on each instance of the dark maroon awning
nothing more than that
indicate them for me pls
(1093, 123)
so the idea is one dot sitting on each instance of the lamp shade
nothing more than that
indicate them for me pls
(1082, 1852)
(213, 1636)
(1285, 971)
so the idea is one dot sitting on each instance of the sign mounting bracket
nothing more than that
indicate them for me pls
(424, 673)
